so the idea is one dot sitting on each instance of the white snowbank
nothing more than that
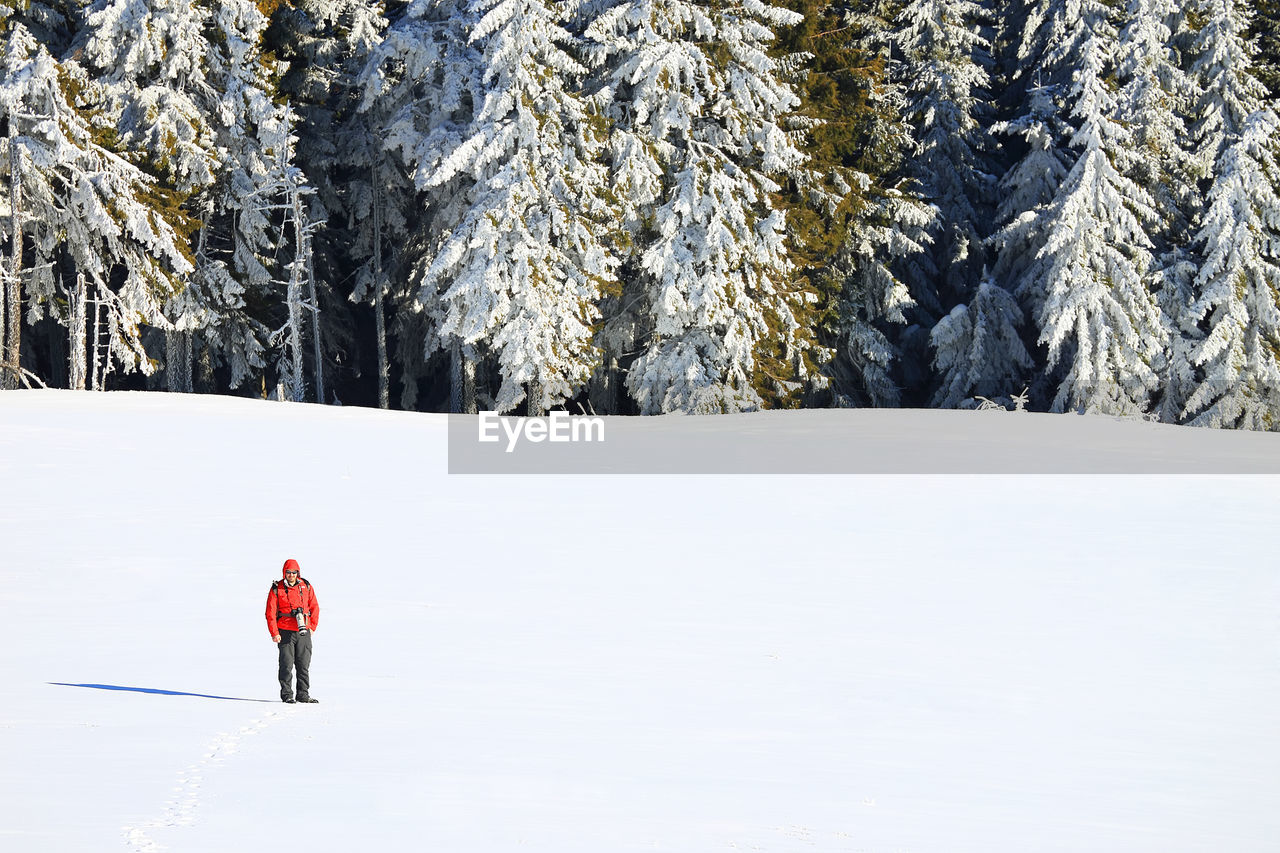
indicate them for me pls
(604, 664)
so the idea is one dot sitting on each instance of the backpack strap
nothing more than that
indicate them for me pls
(277, 586)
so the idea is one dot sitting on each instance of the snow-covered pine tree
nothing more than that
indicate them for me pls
(1173, 282)
(822, 60)
(978, 348)
(1098, 318)
(323, 47)
(85, 211)
(945, 73)
(859, 233)
(1041, 43)
(1061, 60)
(148, 64)
(893, 232)
(1026, 191)
(885, 266)
(1047, 48)
(249, 209)
(1237, 288)
(420, 86)
(515, 259)
(1155, 97)
(51, 25)
(697, 105)
(186, 86)
(51, 22)
(1154, 100)
(1264, 34)
(1229, 92)
(151, 82)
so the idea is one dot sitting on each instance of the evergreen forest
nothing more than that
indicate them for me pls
(647, 206)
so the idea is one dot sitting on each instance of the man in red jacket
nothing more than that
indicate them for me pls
(292, 614)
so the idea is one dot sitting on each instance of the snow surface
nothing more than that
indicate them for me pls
(599, 664)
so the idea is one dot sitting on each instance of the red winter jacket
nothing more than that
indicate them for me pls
(283, 599)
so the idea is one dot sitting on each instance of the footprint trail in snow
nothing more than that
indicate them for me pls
(182, 807)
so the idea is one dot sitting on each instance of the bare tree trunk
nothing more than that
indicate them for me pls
(602, 392)
(294, 384)
(77, 336)
(302, 264)
(204, 380)
(384, 366)
(180, 346)
(534, 404)
(379, 310)
(317, 351)
(177, 347)
(13, 286)
(95, 371)
(462, 381)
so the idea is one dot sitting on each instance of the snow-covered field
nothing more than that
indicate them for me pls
(597, 664)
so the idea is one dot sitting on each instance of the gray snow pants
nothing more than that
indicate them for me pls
(295, 650)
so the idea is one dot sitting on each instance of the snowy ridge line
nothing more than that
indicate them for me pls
(182, 807)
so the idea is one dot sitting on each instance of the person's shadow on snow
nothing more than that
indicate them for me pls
(155, 691)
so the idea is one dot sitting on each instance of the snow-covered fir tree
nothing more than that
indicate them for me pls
(187, 88)
(697, 104)
(1098, 317)
(1062, 62)
(514, 261)
(1239, 286)
(1236, 291)
(1229, 92)
(886, 268)
(418, 88)
(377, 192)
(1026, 191)
(323, 46)
(1264, 34)
(945, 70)
(892, 233)
(250, 215)
(858, 232)
(96, 229)
(978, 348)
(282, 195)
(152, 81)
(1154, 101)
(1048, 46)
(1088, 282)
(669, 205)
(1043, 40)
